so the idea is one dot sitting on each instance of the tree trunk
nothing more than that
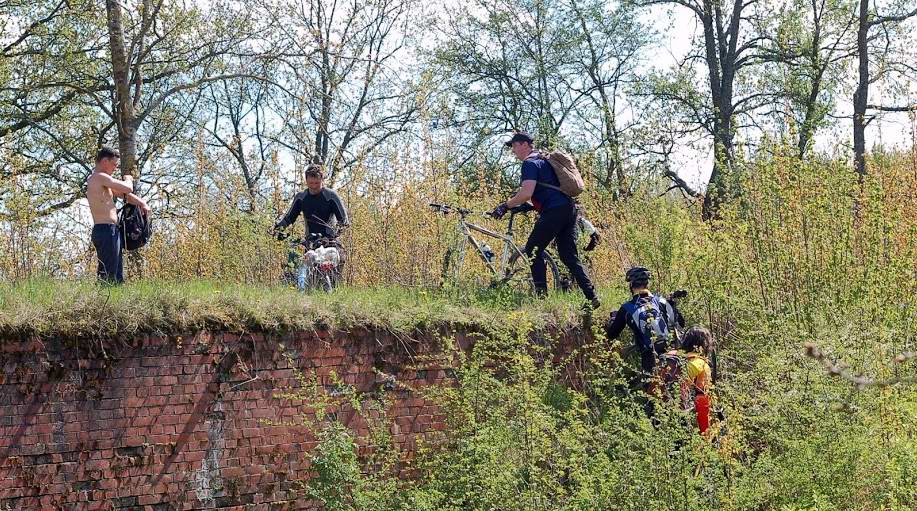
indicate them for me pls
(807, 130)
(861, 96)
(720, 57)
(124, 110)
(717, 186)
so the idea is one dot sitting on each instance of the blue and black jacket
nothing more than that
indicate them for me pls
(625, 318)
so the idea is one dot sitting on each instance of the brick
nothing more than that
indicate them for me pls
(232, 472)
(146, 500)
(167, 420)
(151, 396)
(193, 456)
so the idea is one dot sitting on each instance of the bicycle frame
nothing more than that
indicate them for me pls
(511, 251)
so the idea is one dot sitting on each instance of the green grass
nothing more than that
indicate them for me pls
(84, 309)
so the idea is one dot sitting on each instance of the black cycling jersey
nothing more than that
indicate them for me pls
(317, 210)
(622, 318)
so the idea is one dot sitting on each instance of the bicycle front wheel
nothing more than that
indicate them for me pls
(326, 283)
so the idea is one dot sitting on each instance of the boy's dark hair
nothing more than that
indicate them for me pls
(698, 339)
(106, 152)
(315, 171)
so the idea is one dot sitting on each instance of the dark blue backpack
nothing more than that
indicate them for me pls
(652, 325)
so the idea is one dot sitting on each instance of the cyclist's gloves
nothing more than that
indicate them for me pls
(676, 296)
(499, 211)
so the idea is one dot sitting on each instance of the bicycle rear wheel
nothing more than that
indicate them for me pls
(519, 275)
(557, 280)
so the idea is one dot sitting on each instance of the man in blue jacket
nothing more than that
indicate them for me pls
(556, 217)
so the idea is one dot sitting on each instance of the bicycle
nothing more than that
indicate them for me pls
(320, 267)
(512, 268)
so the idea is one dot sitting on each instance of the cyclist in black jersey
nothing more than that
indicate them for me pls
(320, 206)
(323, 211)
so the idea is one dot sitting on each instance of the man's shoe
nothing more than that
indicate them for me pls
(591, 305)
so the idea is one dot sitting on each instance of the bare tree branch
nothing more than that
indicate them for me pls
(902, 108)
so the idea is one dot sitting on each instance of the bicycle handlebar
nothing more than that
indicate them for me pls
(312, 240)
(446, 209)
(518, 210)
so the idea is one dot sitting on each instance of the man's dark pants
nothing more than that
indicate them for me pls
(106, 238)
(558, 224)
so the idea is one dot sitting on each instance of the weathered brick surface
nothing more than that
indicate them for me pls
(171, 424)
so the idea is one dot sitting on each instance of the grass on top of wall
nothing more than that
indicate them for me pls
(84, 309)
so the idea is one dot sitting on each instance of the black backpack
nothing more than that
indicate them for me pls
(135, 228)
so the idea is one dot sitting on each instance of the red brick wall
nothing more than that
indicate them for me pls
(179, 423)
(176, 423)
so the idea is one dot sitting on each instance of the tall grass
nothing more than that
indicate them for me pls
(805, 254)
(53, 308)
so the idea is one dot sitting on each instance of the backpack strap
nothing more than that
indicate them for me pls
(631, 308)
(546, 185)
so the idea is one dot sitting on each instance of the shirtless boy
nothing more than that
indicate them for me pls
(101, 189)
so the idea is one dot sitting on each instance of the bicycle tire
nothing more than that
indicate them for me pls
(325, 283)
(557, 280)
(520, 275)
(337, 276)
(315, 279)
